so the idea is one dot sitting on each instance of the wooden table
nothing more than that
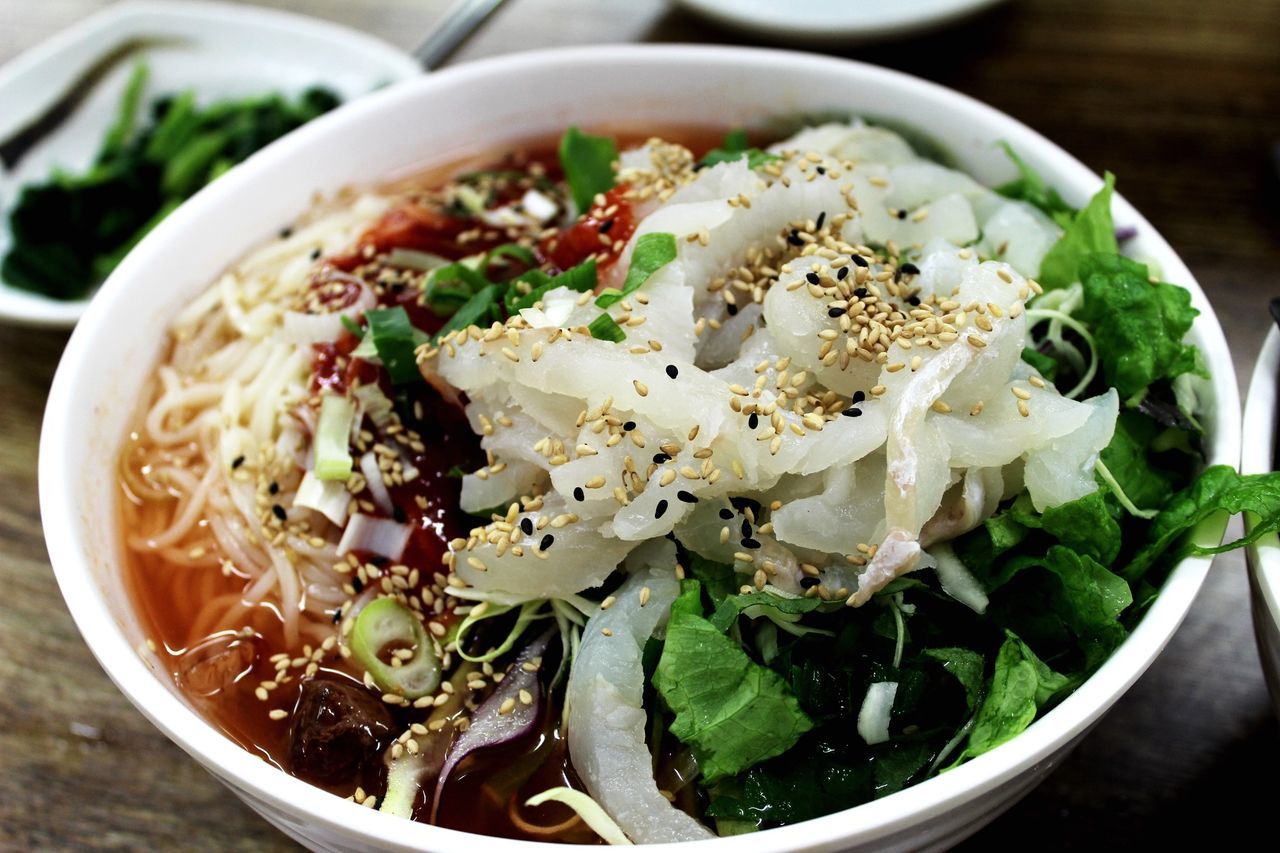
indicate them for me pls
(1180, 98)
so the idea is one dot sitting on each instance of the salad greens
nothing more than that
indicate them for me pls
(589, 164)
(70, 232)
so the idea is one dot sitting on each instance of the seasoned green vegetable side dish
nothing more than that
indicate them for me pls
(649, 493)
(70, 232)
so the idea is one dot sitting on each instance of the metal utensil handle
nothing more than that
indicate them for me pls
(461, 19)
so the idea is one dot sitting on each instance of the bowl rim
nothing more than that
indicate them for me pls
(1256, 458)
(1031, 751)
(113, 25)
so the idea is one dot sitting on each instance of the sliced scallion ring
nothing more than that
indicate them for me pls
(386, 622)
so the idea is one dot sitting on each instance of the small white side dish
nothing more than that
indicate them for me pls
(830, 21)
(481, 106)
(1258, 456)
(217, 49)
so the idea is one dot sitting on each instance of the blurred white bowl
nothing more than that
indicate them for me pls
(218, 50)
(437, 119)
(804, 22)
(1258, 456)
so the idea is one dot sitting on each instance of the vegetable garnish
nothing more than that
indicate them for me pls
(1090, 231)
(395, 338)
(652, 252)
(386, 630)
(605, 328)
(589, 165)
(581, 278)
(1031, 188)
(333, 438)
(70, 232)
(735, 146)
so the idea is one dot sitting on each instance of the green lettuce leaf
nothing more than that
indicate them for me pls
(1031, 188)
(966, 666)
(732, 711)
(1219, 491)
(1021, 685)
(1147, 486)
(730, 607)
(1137, 326)
(1090, 231)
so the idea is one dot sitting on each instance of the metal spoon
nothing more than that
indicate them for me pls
(461, 19)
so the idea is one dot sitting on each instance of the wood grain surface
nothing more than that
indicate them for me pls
(1180, 98)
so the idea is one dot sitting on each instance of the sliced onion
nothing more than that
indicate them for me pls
(380, 536)
(956, 579)
(491, 725)
(873, 716)
(306, 329)
(373, 479)
(606, 714)
(330, 498)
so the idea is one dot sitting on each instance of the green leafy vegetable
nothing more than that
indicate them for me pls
(450, 287)
(1031, 188)
(588, 163)
(482, 304)
(395, 338)
(1137, 326)
(1091, 231)
(652, 252)
(966, 666)
(605, 328)
(1021, 685)
(582, 278)
(754, 603)
(736, 145)
(71, 231)
(733, 712)
(1045, 364)
(332, 443)
(1217, 493)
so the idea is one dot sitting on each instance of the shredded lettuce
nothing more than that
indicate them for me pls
(332, 443)
(1091, 231)
(587, 809)
(733, 712)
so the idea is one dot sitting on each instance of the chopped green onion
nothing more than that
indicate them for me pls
(652, 253)
(605, 328)
(333, 438)
(442, 298)
(581, 278)
(480, 305)
(395, 340)
(588, 163)
(352, 326)
(735, 146)
(471, 200)
(386, 622)
(508, 250)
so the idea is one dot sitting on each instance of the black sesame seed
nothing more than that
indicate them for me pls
(278, 512)
(687, 497)
(237, 462)
(753, 421)
(726, 513)
(794, 238)
(861, 293)
(526, 524)
(673, 371)
(809, 583)
(732, 309)
(274, 488)
(835, 312)
(357, 584)
(546, 542)
(902, 214)
(842, 274)
(398, 514)
(852, 412)
(913, 300)
(660, 510)
(910, 269)
(606, 226)
(746, 529)
(822, 217)
(750, 543)
(821, 170)
(315, 254)
(859, 396)
(859, 260)
(337, 616)
(629, 425)
(578, 494)
(286, 232)
(812, 278)
(659, 458)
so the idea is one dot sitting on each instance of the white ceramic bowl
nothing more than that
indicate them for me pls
(1257, 457)
(460, 111)
(218, 50)
(805, 22)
